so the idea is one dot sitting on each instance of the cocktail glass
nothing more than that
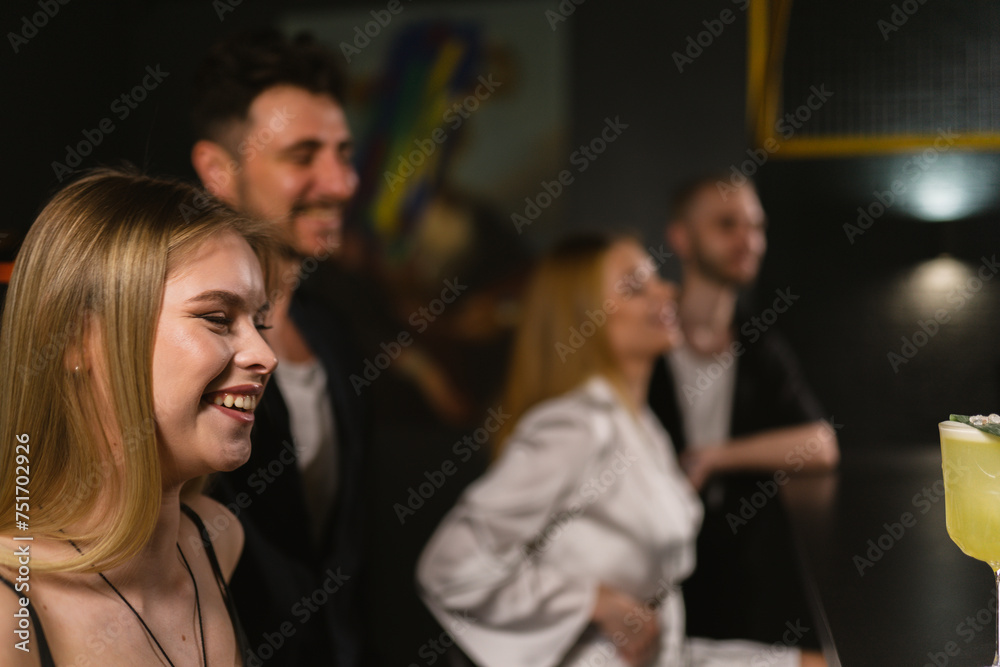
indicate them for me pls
(970, 461)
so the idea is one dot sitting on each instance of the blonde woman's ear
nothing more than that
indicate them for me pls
(79, 355)
(74, 361)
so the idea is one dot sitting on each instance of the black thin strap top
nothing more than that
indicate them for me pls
(39, 635)
(243, 646)
(241, 639)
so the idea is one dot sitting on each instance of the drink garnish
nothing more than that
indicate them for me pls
(988, 424)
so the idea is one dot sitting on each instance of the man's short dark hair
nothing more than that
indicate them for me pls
(242, 66)
(688, 191)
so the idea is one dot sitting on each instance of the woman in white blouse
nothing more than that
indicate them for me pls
(570, 550)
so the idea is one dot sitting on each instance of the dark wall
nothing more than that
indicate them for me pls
(681, 121)
(71, 75)
(897, 326)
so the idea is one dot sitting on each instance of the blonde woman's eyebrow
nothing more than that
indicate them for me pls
(226, 297)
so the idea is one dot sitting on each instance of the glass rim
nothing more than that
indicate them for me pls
(948, 423)
(966, 429)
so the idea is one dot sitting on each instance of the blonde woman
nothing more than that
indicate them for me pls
(132, 362)
(571, 548)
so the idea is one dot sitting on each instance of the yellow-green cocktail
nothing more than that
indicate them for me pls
(971, 465)
(970, 461)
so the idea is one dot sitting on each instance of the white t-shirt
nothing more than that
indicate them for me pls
(310, 411)
(705, 387)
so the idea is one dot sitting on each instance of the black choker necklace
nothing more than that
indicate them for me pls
(197, 602)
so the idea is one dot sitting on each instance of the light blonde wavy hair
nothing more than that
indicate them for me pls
(96, 259)
(565, 286)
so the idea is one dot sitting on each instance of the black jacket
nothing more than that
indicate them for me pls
(745, 584)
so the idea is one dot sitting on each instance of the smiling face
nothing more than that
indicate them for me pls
(295, 167)
(725, 238)
(643, 323)
(208, 350)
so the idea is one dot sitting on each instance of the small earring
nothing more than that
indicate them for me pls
(76, 369)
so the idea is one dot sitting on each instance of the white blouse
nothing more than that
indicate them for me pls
(584, 493)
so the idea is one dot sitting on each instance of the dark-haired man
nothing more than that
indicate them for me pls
(273, 141)
(740, 413)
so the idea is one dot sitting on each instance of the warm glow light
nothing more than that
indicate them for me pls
(939, 275)
(928, 286)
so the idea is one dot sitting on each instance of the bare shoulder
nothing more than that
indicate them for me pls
(18, 647)
(224, 529)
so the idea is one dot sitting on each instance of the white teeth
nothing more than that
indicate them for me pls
(242, 402)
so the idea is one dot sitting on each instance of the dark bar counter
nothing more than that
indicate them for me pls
(887, 585)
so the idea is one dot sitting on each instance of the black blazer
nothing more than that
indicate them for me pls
(299, 599)
(749, 565)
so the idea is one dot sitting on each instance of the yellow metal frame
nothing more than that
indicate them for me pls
(767, 29)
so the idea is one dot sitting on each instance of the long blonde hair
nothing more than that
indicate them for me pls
(95, 260)
(560, 341)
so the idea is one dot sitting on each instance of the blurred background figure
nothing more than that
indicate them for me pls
(273, 142)
(740, 414)
(571, 549)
